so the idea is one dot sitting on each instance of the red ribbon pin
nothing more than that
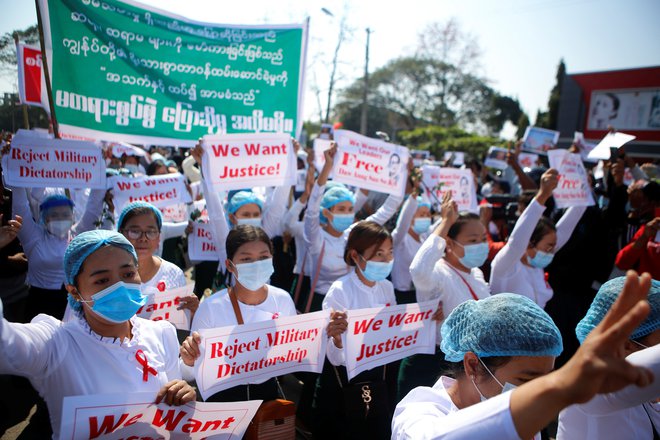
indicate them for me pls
(146, 369)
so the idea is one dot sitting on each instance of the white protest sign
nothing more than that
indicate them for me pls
(437, 181)
(584, 146)
(201, 246)
(573, 188)
(370, 164)
(238, 161)
(135, 416)
(320, 145)
(539, 140)
(527, 160)
(252, 353)
(611, 140)
(121, 148)
(382, 335)
(496, 158)
(458, 158)
(165, 306)
(37, 162)
(160, 191)
(301, 177)
(175, 213)
(419, 156)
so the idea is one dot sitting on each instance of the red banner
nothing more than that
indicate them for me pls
(31, 80)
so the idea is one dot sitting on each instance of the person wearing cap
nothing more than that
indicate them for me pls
(105, 349)
(329, 219)
(44, 242)
(502, 387)
(519, 267)
(629, 413)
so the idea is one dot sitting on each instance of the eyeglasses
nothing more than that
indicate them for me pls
(137, 234)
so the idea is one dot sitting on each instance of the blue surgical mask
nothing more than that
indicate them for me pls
(254, 275)
(341, 222)
(421, 224)
(377, 271)
(256, 221)
(118, 303)
(541, 260)
(475, 254)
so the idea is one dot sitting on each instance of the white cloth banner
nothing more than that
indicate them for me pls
(439, 180)
(370, 164)
(160, 191)
(382, 335)
(238, 161)
(31, 79)
(255, 352)
(136, 416)
(539, 140)
(201, 246)
(573, 188)
(611, 140)
(37, 162)
(165, 306)
(320, 145)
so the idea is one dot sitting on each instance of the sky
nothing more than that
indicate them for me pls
(521, 41)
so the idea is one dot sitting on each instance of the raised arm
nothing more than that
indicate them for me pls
(312, 226)
(566, 225)
(93, 211)
(387, 210)
(30, 231)
(405, 219)
(274, 210)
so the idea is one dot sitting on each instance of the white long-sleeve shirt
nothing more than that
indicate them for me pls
(434, 278)
(509, 274)
(296, 228)
(626, 414)
(44, 250)
(349, 293)
(170, 230)
(69, 359)
(429, 413)
(333, 265)
(405, 246)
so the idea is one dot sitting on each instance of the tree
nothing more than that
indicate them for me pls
(522, 124)
(503, 109)
(8, 60)
(11, 114)
(548, 119)
(439, 140)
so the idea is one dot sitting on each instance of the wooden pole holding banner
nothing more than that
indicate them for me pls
(44, 62)
(26, 121)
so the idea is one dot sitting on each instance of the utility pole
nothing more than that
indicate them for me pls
(363, 117)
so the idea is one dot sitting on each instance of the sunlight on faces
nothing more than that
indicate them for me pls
(143, 223)
(58, 213)
(249, 210)
(472, 232)
(546, 244)
(249, 253)
(344, 207)
(383, 254)
(519, 370)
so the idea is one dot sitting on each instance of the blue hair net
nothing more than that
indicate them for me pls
(422, 202)
(82, 246)
(243, 198)
(607, 294)
(333, 195)
(53, 201)
(140, 204)
(506, 324)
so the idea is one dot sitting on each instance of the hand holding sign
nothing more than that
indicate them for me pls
(176, 392)
(337, 326)
(549, 181)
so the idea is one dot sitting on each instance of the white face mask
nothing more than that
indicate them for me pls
(59, 228)
(254, 275)
(132, 168)
(506, 387)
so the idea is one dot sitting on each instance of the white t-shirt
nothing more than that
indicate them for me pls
(69, 359)
(429, 413)
(349, 293)
(169, 276)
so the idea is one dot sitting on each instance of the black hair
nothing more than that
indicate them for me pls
(242, 234)
(543, 227)
(136, 212)
(615, 101)
(493, 363)
(364, 235)
(153, 166)
(463, 219)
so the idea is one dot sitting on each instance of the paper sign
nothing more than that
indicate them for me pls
(241, 161)
(382, 335)
(175, 213)
(370, 164)
(201, 246)
(437, 181)
(573, 188)
(121, 148)
(301, 177)
(611, 140)
(584, 146)
(527, 160)
(419, 156)
(496, 158)
(539, 140)
(320, 145)
(135, 416)
(164, 306)
(160, 191)
(252, 353)
(459, 158)
(31, 79)
(37, 162)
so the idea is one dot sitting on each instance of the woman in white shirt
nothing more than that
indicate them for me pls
(446, 268)
(630, 413)
(105, 348)
(519, 266)
(329, 219)
(369, 252)
(507, 340)
(250, 260)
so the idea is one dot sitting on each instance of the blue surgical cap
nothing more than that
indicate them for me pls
(53, 201)
(607, 294)
(332, 196)
(242, 198)
(82, 246)
(140, 204)
(422, 202)
(505, 324)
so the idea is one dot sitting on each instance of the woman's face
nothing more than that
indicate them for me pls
(105, 267)
(519, 370)
(472, 232)
(249, 210)
(59, 213)
(249, 253)
(381, 254)
(546, 244)
(161, 170)
(423, 211)
(145, 228)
